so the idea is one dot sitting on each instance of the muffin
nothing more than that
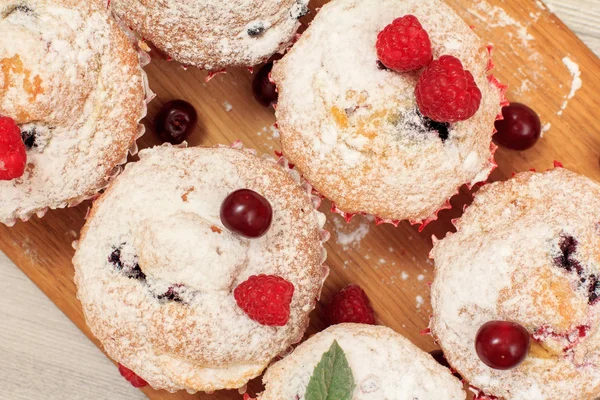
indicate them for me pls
(213, 34)
(382, 364)
(353, 127)
(73, 85)
(174, 287)
(525, 257)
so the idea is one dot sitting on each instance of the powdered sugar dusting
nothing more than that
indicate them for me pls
(176, 239)
(213, 34)
(545, 128)
(345, 122)
(498, 18)
(575, 84)
(517, 39)
(508, 248)
(74, 82)
(399, 371)
(350, 234)
(420, 301)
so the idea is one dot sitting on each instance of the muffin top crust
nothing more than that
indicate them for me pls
(384, 365)
(526, 251)
(214, 34)
(73, 83)
(156, 268)
(352, 127)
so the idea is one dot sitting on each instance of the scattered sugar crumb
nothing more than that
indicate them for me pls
(545, 128)
(353, 238)
(420, 301)
(228, 107)
(525, 86)
(29, 250)
(274, 132)
(404, 276)
(517, 39)
(382, 261)
(391, 249)
(496, 17)
(575, 85)
(421, 277)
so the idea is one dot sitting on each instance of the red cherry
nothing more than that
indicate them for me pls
(501, 344)
(246, 213)
(520, 129)
(265, 91)
(175, 121)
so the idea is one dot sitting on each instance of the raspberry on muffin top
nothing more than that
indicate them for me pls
(176, 296)
(73, 84)
(354, 128)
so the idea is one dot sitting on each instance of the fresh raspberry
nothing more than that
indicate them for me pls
(404, 45)
(350, 304)
(265, 299)
(446, 92)
(13, 156)
(131, 376)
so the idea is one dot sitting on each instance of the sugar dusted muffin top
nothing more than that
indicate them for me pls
(214, 34)
(352, 126)
(384, 365)
(526, 251)
(72, 81)
(156, 269)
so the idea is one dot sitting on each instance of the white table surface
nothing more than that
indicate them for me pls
(44, 356)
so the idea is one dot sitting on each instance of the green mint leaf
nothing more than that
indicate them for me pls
(332, 378)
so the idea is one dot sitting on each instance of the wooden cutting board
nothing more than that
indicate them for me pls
(391, 264)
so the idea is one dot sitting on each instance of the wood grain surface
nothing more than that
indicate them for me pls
(391, 264)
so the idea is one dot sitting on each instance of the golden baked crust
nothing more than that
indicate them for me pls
(162, 216)
(214, 34)
(527, 251)
(353, 129)
(70, 77)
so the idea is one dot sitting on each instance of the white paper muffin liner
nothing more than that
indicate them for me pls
(149, 95)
